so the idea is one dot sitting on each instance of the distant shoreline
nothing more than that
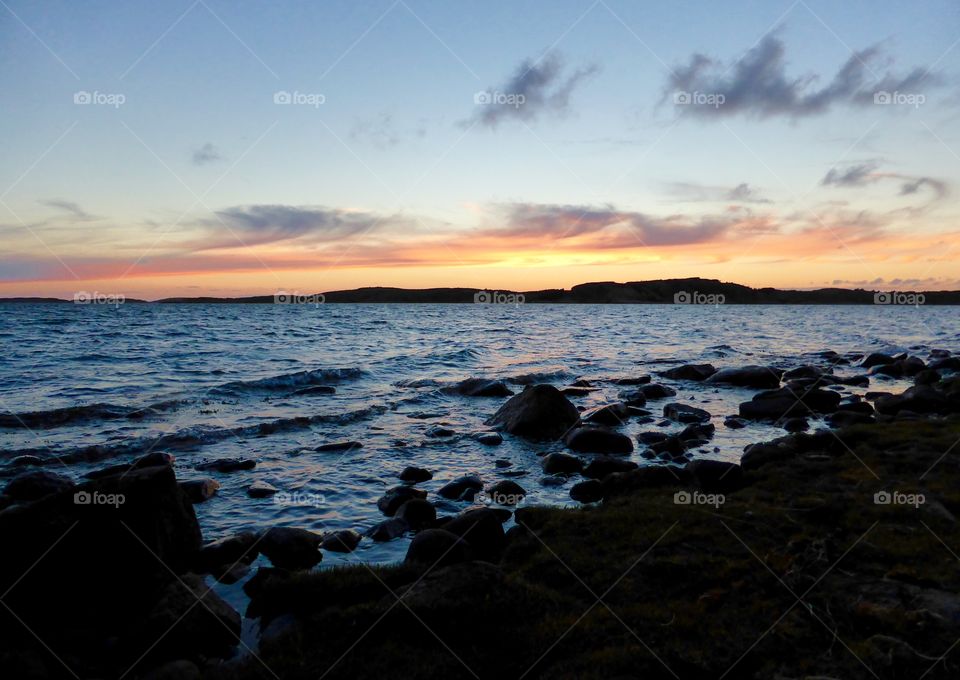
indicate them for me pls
(667, 291)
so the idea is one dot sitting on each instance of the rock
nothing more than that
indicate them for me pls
(502, 463)
(417, 513)
(748, 376)
(315, 389)
(648, 438)
(646, 477)
(734, 423)
(597, 440)
(633, 398)
(553, 480)
(200, 490)
(506, 492)
(345, 540)
(908, 367)
(642, 380)
(482, 530)
(291, 547)
(601, 466)
(228, 464)
(682, 413)
(438, 548)
(148, 460)
(589, 491)
(391, 501)
(795, 424)
(577, 391)
(387, 530)
(554, 463)
(490, 438)
(697, 372)
(927, 376)
(697, 431)
(29, 486)
(414, 475)
(181, 624)
(335, 447)
(657, 391)
(240, 548)
(876, 359)
(672, 445)
(715, 476)
(756, 456)
(947, 363)
(783, 403)
(455, 489)
(439, 431)
(479, 387)
(26, 461)
(848, 418)
(919, 399)
(610, 414)
(260, 489)
(539, 412)
(809, 372)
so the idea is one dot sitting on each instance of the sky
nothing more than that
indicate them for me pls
(207, 147)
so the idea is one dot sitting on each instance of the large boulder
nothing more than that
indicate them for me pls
(539, 412)
(461, 487)
(923, 399)
(715, 476)
(482, 530)
(417, 513)
(391, 501)
(613, 415)
(697, 372)
(554, 463)
(760, 377)
(778, 404)
(291, 547)
(479, 387)
(589, 491)
(344, 540)
(597, 440)
(29, 486)
(601, 466)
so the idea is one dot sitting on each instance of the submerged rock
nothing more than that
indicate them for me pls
(601, 466)
(489, 438)
(391, 501)
(455, 489)
(200, 490)
(785, 403)
(261, 490)
(597, 440)
(479, 387)
(539, 412)
(228, 464)
(414, 474)
(439, 431)
(334, 447)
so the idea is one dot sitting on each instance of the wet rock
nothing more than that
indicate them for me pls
(848, 418)
(438, 548)
(784, 403)
(696, 372)
(387, 530)
(657, 391)
(648, 438)
(240, 548)
(734, 423)
(683, 413)
(482, 530)
(577, 391)
(613, 415)
(795, 424)
(539, 412)
(490, 438)
(597, 440)
(589, 491)
(413, 474)
(391, 501)
(149, 460)
(760, 377)
(417, 513)
(261, 489)
(200, 490)
(29, 486)
(228, 464)
(506, 492)
(672, 446)
(922, 399)
(927, 376)
(345, 540)
(291, 547)
(601, 466)
(553, 480)
(455, 489)
(900, 368)
(314, 390)
(554, 463)
(715, 476)
(633, 398)
(808, 372)
(946, 363)
(26, 461)
(439, 431)
(626, 382)
(479, 387)
(876, 359)
(697, 431)
(502, 463)
(337, 447)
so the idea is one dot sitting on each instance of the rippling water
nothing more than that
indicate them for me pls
(204, 382)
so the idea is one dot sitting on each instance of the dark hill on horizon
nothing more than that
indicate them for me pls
(665, 291)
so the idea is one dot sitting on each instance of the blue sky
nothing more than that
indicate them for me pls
(125, 193)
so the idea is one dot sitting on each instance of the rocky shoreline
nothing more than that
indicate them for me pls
(681, 564)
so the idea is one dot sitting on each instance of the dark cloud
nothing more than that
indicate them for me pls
(207, 153)
(863, 174)
(536, 87)
(758, 84)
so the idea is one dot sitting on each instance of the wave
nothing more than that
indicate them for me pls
(286, 381)
(59, 417)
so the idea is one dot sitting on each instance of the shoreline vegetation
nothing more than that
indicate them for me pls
(826, 554)
(666, 291)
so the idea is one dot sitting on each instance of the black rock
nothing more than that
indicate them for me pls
(597, 440)
(697, 372)
(438, 548)
(479, 387)
(29, 486)
(387, 530)
(589, 491)
(682, 413)
(554, 463)
(601, 466)
(260, 489)
(876, 359)
(455, 489)
(795, 424)
(642, 380)
(338, 446)
(228, 464)
(651, 437)
(240, 548)
(697, 431)
(748, 376)
(506, 492)
(415, 474)
(439, 431)
(657, 391)
(200, 490)
(715, 476)
(391, 501)
(316, 389)
(482, 529)
(734, 423)
(490, 438)
(343, 541)
(610, 414)
(291, 547)
(539, 412)
(417, 513)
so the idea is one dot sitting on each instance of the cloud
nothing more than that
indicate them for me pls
(691, 191)
(866, 173)
(207, 153)
(757, 85)
(536, 87)
(382, 132)
(69, 207)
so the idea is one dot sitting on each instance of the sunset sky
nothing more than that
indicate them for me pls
(235, 148)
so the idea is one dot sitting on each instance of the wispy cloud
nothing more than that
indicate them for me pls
(868, 172)
(692, 191)
(72, 208)
(208, 153)
(535, 88)
(758, 84)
